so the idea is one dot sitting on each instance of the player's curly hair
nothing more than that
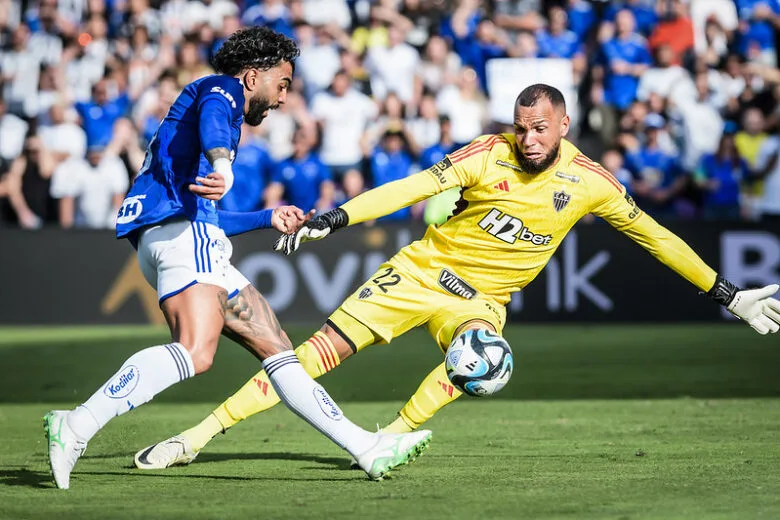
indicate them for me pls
(254, 47)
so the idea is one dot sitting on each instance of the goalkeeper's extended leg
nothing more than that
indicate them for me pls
(434, 392)
(317, 355)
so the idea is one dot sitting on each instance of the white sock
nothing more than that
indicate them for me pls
(312, 403)
(143, 375)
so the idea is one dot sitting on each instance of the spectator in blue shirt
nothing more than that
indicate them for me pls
(719, 176)
(581, 18)
(659, 178)
(556, 41)
(391, 162)
(436, 153)
(643, 11)
(251, 168)
(480, 46)
(301, 180)
(626, 57)
(756, 33)
(100, 113)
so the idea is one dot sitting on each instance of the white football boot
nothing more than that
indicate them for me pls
(63, 446)
(175, 451)
(392, 450)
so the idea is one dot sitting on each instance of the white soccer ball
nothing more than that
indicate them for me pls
(479, 362)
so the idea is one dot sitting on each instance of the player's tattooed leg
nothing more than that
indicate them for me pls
(250, 322)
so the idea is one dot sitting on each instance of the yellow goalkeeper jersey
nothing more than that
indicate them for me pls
(508, 223)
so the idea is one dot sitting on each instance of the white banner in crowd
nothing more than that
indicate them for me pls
(507, 77)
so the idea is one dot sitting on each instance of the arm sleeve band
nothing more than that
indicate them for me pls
(391, 197)
(672, 251)
(235, 223)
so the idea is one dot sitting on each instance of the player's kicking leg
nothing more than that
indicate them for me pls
(250, 322)
(324, 351)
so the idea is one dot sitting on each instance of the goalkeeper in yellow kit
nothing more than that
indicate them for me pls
(521, 194)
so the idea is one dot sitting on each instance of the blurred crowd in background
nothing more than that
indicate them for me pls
(680, 99)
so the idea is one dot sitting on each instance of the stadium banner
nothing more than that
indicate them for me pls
(507, 77)
(597, 275)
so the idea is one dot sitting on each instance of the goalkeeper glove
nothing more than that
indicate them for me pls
(315, 229)
(755, 306)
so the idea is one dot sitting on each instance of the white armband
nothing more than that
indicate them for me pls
(224, 167)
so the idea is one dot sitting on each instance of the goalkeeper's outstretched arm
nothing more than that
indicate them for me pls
(370, 205)
(757, 306)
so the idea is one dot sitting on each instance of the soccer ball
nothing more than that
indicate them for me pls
(479, 362)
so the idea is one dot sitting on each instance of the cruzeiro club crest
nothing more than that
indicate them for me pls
(560, 200)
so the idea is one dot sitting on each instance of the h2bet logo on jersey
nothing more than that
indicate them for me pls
(510, 229)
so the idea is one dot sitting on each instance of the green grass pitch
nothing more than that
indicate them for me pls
(618, 422)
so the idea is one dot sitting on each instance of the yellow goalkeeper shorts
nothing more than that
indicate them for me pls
(395, 300)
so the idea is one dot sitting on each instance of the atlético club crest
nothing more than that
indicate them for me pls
(365, 293)
(560, 200)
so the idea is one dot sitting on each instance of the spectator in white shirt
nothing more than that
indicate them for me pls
(343, 115)
(20, 68)
(465, 105)
(663, 78)
(393, 68)
(12, 132)
(90, 191)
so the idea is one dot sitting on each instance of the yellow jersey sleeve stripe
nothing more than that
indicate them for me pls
(474, 148)
(583, 161)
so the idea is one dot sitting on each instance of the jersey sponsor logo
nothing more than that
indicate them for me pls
(573, 178)
(327, 405)
(509, 165)
(131, 209)
(452, 283)
(225, 94)
(509, 229)
(503, 185)
(123, 383)
(438, 169)
(560, 200)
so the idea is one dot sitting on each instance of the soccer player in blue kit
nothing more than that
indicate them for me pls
(170, 216)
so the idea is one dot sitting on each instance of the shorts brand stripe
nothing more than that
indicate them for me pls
(200, 249)
(207, 246)
(195, 242)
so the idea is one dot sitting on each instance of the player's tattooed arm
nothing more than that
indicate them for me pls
(216, 184)
(250, 322)
(217, 153)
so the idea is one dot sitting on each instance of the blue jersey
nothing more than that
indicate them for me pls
(388, 167)
(645, 16)
(620, 89)
(206, 115)
(251, 170)
(581, 19)
(564, 45)
(728, 174)
(434, 154)
(98, 120)
(302, 179)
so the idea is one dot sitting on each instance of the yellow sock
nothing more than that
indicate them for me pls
(317, 355)
(433, 393)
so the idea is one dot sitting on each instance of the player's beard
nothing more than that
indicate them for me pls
(257, 107)
(539, 165)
